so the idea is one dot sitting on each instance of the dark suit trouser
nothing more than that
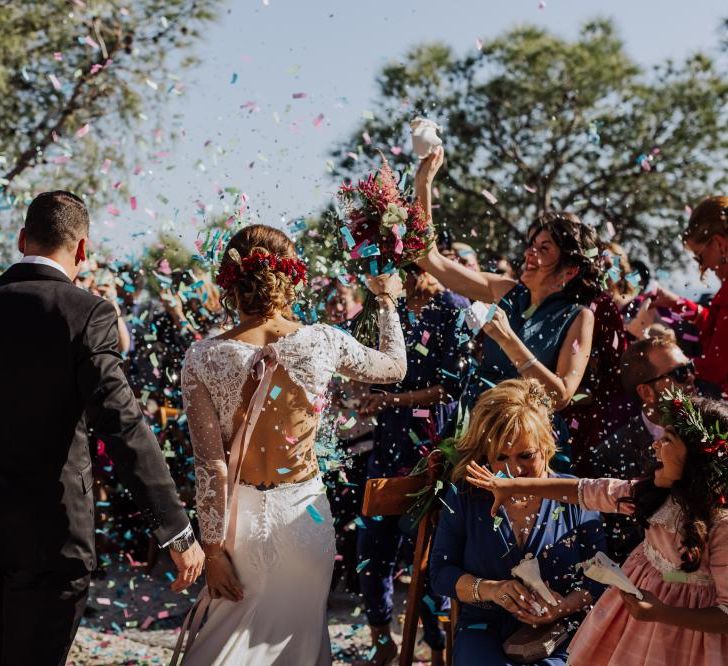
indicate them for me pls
(39, 616)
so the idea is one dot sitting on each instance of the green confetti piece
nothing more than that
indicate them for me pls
(362, 565)
(422, 349)
(153, 360)
(497, 522)
(579, 396)
(557, 512)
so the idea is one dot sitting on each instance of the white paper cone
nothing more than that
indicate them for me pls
(603, 570)
(424, 137)
(529, 573)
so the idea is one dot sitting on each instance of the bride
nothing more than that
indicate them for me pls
(253, 398)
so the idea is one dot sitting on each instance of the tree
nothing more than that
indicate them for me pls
(533, 122)
(76, 77)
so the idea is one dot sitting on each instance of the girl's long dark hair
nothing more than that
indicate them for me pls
(693, 493)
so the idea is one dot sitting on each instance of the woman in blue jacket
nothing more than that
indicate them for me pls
(473, 553)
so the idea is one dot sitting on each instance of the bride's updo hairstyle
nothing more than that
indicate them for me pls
(259, 271)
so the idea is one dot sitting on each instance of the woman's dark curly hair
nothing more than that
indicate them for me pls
(263, 291)
(579, 248)
(693, 493)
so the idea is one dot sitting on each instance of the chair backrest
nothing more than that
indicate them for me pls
(391, 497)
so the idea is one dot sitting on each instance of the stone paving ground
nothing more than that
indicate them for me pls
(133, 618)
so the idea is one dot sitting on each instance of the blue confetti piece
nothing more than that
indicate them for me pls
(491, 313)
(360, 523)
(234, 78)
(283, 470)
(348, 238)
(314, 513)
(373, 268)
(362, 565)
(369, 251)
(482, 625)
(275, 392)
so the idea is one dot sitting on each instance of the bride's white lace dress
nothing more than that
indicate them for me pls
(284, 538)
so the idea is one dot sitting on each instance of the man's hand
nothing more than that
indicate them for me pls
(189, 566)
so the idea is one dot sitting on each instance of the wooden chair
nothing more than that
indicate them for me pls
(392, 497)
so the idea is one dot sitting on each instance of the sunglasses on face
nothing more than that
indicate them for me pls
(679, 374)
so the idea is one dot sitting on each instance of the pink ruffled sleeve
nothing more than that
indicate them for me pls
(718, 549)
(602, 495)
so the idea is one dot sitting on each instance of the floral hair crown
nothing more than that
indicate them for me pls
(679, 412)
(231, 272)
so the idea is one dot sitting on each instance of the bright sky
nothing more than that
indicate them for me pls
(247, 126)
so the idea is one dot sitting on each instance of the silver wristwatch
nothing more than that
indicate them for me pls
(183, 541)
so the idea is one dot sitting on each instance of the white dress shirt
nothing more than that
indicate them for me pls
(45, 261)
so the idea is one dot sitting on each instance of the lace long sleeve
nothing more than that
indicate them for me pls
(210, 465)
(384, 366)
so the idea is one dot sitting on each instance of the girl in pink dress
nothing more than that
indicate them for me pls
(682, 565)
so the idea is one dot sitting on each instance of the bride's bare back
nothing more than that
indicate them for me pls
(217, 389)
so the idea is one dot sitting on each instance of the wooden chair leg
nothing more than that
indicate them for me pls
(415, 592)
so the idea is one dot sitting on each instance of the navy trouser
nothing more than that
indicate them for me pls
(381, 542)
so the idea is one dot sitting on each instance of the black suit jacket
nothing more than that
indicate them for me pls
(61, 386)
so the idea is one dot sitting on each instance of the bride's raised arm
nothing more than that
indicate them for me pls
(388, 364)
(476, 285)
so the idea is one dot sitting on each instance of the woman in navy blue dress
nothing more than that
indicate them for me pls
(473, 554)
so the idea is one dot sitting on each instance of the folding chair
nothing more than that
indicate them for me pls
(393, 497)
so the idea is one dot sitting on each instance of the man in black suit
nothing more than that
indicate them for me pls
(648, 367)
(61, 386)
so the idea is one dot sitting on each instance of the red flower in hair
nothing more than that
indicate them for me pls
(232, 271)
(716, 445)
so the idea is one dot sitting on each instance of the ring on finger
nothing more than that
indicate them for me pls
(504, 597)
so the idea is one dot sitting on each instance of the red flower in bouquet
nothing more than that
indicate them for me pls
(384, 227)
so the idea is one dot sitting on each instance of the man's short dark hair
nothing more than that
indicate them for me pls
(635, 364)
(56, 219)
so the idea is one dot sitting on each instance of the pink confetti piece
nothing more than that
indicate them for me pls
(90, 42)
(353, 156)
(396, 150)
(145, 598)
(478, 44)
(425, 337)
(147, 622)
(574, 425)
(112, 210)
(318, 120)
(291, 439)
(133, 203)
(105, 166)
(162, 615)
(61, 159)
(530, 189)
(490, 198)
(58, 56)
(299, 95)
(54, 80)
(83, 131)
(103, 601)
(615, 341)
(575, 347)
(421, 413)
(690, 337)
(367, 138)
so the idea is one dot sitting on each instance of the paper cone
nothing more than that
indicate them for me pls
(529, 573)
(424, 137)
(601, 569)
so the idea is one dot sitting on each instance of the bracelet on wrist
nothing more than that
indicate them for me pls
(527, 364)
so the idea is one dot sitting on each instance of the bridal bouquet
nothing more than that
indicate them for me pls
(384, 229)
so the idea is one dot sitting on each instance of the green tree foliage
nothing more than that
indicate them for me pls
(77, 78)
(533, 122)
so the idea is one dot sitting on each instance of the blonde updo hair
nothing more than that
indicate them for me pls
(263, 291)
(507, 413)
